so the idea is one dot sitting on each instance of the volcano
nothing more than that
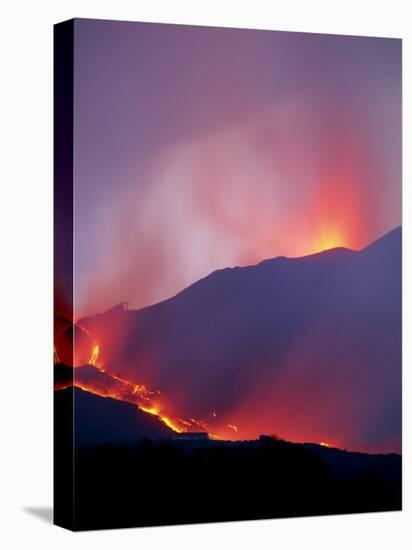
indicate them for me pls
(308, 348)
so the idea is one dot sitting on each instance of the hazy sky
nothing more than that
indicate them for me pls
(198, 148)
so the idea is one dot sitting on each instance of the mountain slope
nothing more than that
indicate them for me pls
(101, 420)
(309, 348)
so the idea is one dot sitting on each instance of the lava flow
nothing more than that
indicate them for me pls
(87, 372)
(90, 375)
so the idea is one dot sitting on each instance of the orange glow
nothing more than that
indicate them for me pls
(233, 427)
(104, 383)
(98, 379)
(156, 412)
(171, 424)
(331, 238)
(185, 422)
(333, 216)
(338, 209)
(115, 387)
(141, 392)
(95, 355)
(123, 396)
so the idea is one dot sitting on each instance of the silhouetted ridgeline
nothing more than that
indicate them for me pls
(167, 483)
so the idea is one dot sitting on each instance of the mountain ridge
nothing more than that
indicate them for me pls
(329, 252)
(317, 329)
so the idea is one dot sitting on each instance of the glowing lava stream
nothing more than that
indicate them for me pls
(114, 387)
(124, 390)
(95, 355)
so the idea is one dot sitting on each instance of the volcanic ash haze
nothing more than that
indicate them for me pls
(307, 348)
(201, 148)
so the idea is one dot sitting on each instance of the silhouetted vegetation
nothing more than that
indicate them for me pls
(167, 483)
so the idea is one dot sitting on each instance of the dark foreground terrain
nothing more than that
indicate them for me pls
(168, 482)
(128, 469)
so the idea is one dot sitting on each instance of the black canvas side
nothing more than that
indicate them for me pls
(63, 261)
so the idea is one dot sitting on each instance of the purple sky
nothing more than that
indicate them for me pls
(198, 148)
